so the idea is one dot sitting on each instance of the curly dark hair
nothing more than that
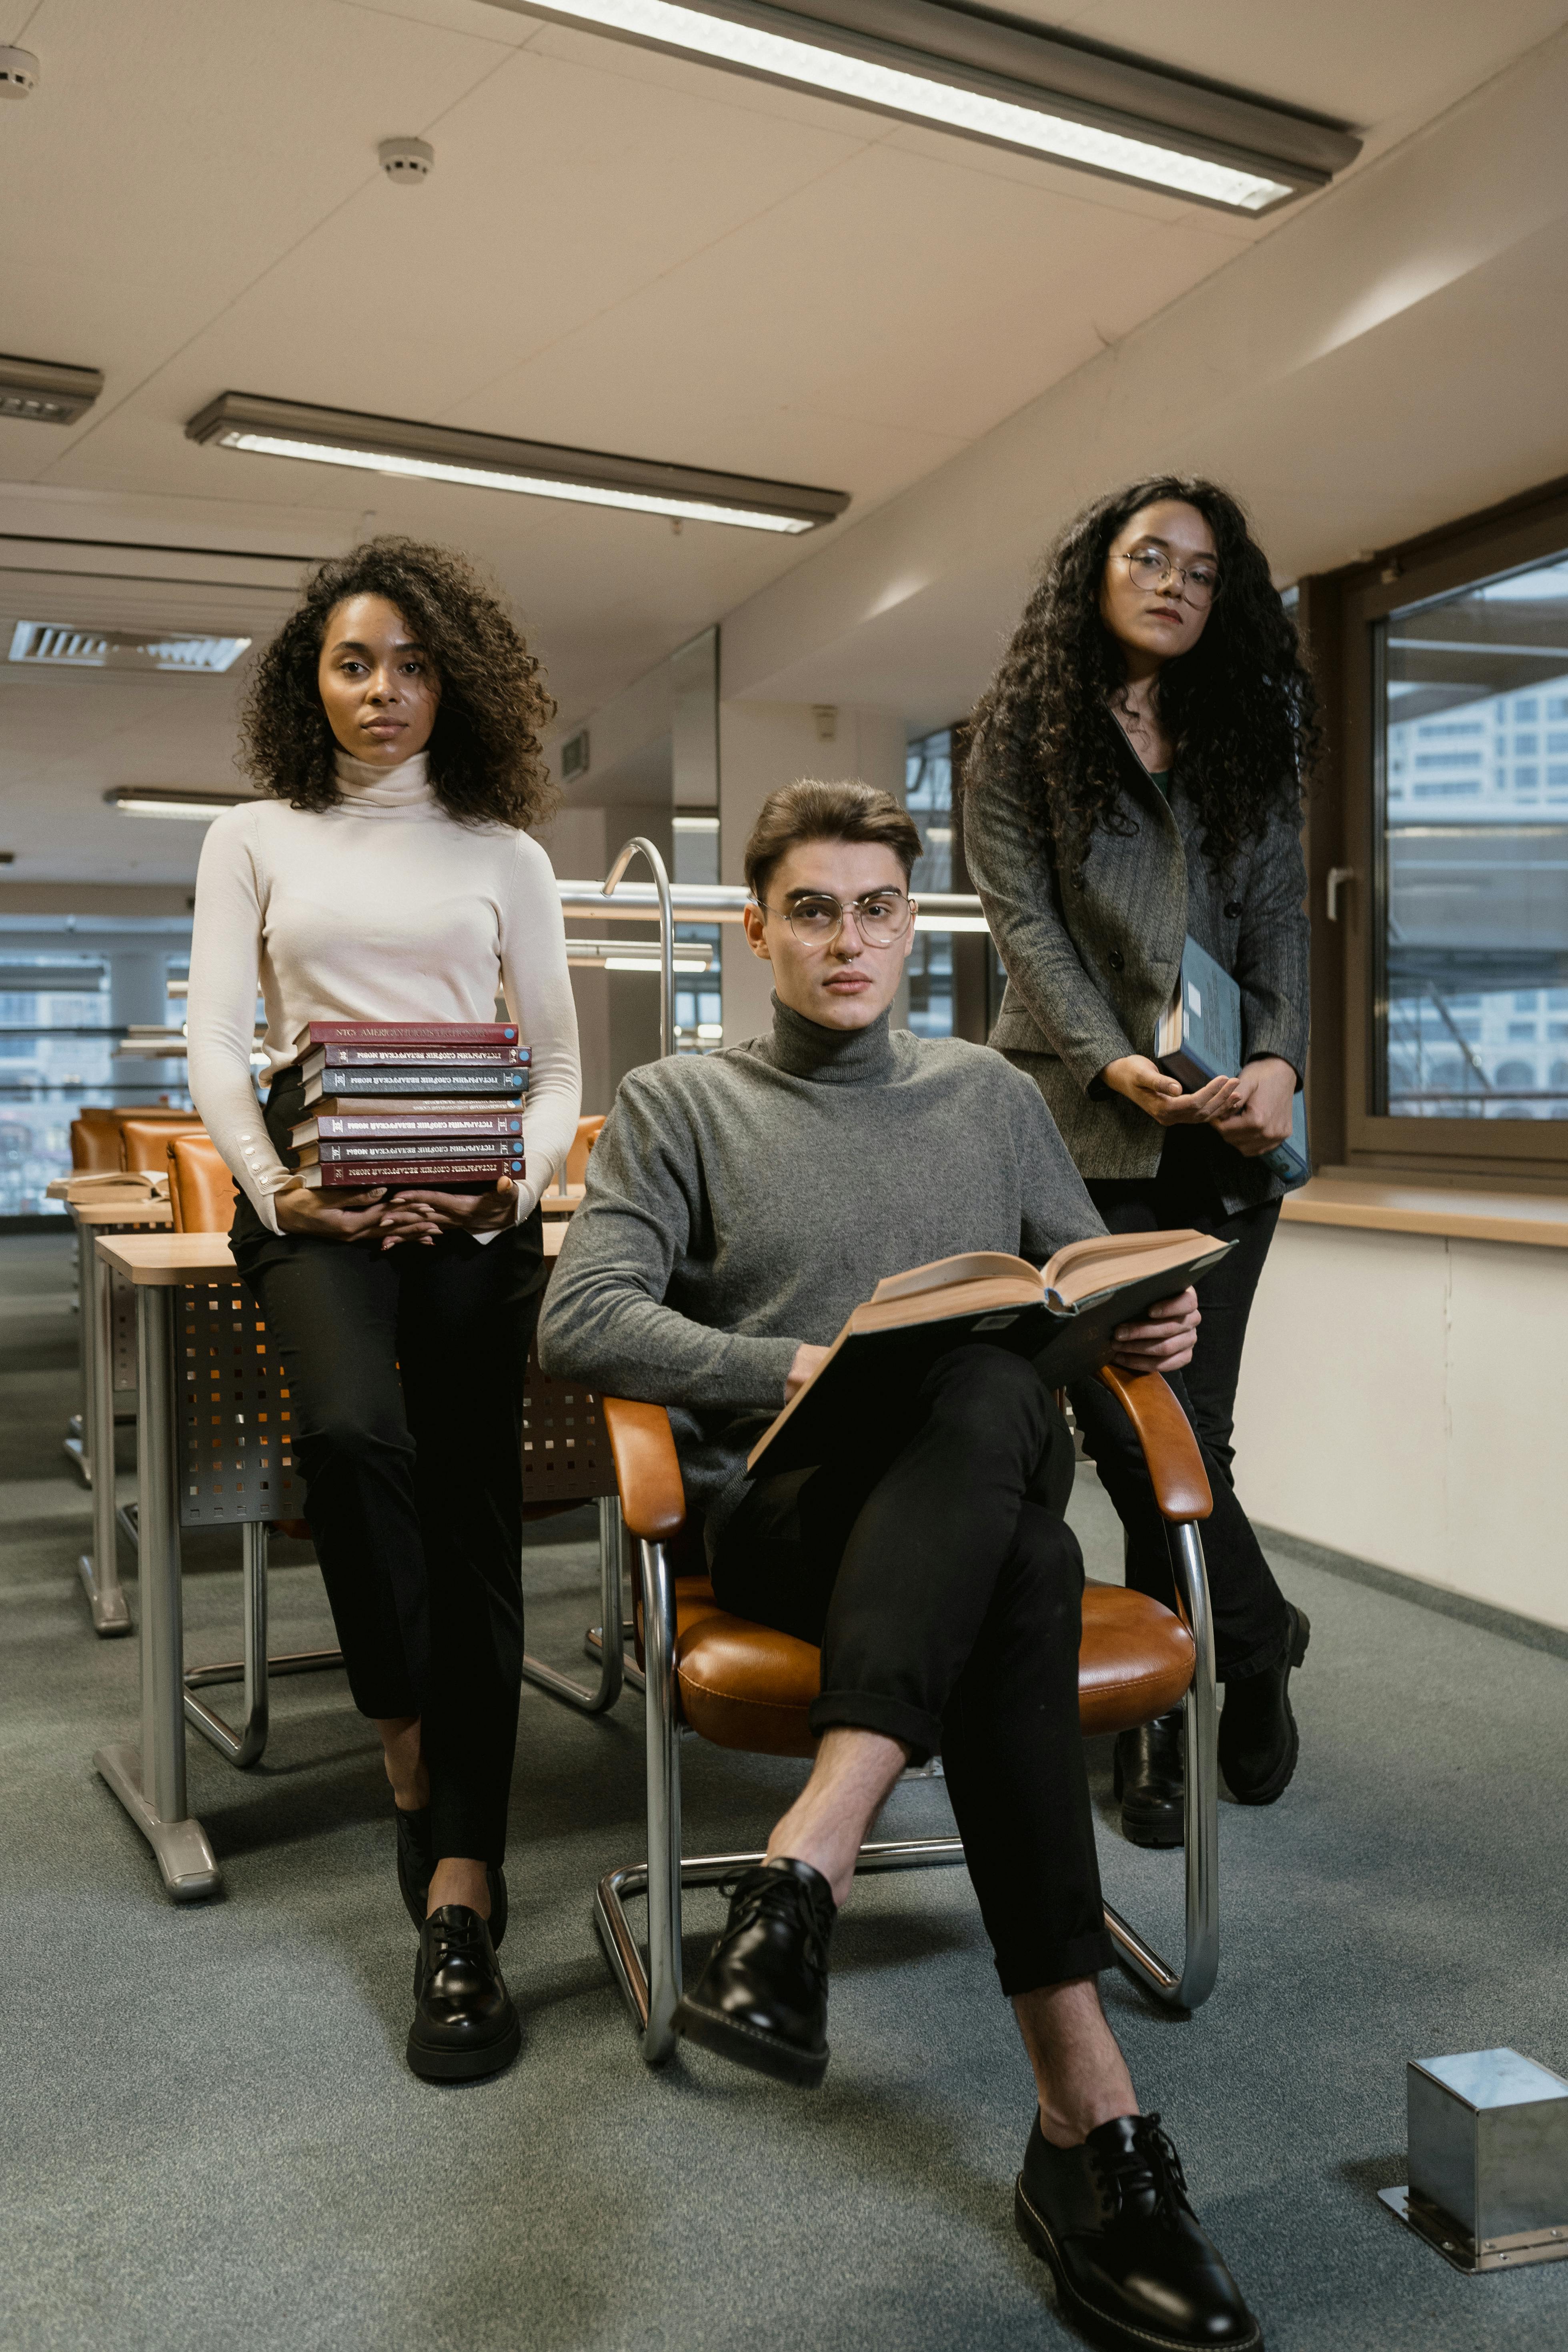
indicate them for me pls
(1239, 708)
(485, 762)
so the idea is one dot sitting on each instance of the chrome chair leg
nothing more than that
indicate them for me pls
(254, 1670)
(612, 1662)
(1192, 1986)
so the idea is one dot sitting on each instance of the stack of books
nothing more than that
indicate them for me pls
(435, 1104)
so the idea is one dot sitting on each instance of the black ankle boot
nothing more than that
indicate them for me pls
(1258, 1741)
(1131, 2263)
(416, 1868)
(763, 1997)
(464, 2022)
(1149, 1778)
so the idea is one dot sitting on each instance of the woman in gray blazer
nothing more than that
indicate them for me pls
(1135, 776)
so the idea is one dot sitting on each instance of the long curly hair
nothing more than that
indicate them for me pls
(1239, 708)
(485, 762)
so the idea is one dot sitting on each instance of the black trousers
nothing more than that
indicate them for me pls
(1250, 1621)
(930, 1562)
(406, 1374)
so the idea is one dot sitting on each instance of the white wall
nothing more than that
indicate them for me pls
(762, 745)
(1401, 1399)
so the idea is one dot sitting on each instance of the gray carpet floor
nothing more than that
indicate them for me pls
(208, 2133)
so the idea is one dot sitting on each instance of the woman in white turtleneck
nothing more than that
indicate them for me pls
(388, 874)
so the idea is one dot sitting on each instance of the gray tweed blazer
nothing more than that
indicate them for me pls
(1092, 960)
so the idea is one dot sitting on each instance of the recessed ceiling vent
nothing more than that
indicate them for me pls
(55, 645)
(46, 391)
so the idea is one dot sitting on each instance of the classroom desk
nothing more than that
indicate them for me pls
(150, 1780)
(106, 1371)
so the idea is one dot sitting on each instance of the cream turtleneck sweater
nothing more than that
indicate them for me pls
(382, 908)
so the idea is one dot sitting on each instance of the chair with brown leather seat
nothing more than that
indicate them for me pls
(95, 1143)
(144, 1136)
(745, 1687)
(201, 1189)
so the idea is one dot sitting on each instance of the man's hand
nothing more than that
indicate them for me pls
(806, 1359)
(422, 1216)
(1143, 1082)
(1165, 1342)
(336, 1217)
(1265, 1093)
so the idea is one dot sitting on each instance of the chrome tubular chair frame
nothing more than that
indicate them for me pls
(255, 1669)
(652, 1991)
(613, 1670)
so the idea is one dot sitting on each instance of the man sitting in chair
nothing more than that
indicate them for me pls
(739, 1205)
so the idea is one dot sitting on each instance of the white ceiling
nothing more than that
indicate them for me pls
(615, 249)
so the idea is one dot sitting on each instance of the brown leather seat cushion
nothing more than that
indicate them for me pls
(742, 1686)
(144, 1138)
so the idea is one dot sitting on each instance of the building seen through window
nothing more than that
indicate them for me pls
(699, 997)
(1474, 1002)
(927, 795)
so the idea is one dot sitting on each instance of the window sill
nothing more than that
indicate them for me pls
(1537, 1219)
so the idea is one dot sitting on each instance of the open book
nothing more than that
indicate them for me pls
(1063, 1317)
(111, 1186)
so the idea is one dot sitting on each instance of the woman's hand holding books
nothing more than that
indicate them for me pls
(422, 1216)
(1143, 1082)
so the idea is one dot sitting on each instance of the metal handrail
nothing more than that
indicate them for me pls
(666, 908)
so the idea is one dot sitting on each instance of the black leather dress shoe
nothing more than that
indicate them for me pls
(1150, 1780)
(1131, 2263)
(464, 2022)
(1258, 1741)
(763, 1997)
(416, 1868)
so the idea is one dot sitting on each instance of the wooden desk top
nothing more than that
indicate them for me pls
(123, 1212)
(162, 1261)
(561, 1204)
(1538, 1219)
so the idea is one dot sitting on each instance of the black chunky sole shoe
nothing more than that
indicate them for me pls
(1132, 2266)
(762, 2001)
(465, 2022)
(1149, 1780)
(416, 1868)
(1260, 1746)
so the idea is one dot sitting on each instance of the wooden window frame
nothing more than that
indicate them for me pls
(1338, 613)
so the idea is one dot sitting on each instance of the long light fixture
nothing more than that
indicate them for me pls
(46, 391)
(151, 800)
(635, 955)
(996, 79)
(490, 461)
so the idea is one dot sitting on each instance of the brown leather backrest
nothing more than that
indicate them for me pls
(95, 1146)
(144, 1141)
(582, 1143)
(201, 1190)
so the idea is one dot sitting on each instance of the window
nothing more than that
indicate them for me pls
(927, 795)
(1443, 665)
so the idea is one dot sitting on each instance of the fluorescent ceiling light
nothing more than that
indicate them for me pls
(694, 824)
(640, 963)
(150, 800)
(55, 645)
(996, 79)
(44, 391)
(490, 461)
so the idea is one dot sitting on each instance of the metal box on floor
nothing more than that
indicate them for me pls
(1488, 2159)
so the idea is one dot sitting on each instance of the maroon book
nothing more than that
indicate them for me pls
(360, 1176)
(411, 1033)
(408, 1123)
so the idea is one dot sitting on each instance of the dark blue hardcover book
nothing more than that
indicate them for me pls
(1292, 1160)
(1199, 1036)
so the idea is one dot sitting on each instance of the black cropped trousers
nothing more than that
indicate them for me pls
(1250, 1623)
(405, 1376)
(930, 1562)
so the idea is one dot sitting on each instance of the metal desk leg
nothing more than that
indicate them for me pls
(612, 1662)
(79, 1441)
(100, 1568)
(151, 1784)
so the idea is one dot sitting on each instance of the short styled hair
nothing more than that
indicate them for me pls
(809, 811)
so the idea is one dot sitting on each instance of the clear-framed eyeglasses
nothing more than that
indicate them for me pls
(881, 917)
(1151, 568)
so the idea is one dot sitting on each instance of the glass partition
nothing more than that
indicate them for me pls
(1471, 999)
(928, 796)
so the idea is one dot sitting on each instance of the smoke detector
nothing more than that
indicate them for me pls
(407, 159)
(18, 73)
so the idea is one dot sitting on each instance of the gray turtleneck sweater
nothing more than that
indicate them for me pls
(741, 1201)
